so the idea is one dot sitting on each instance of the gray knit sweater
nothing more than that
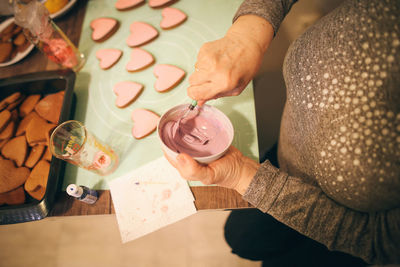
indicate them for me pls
(339, 146)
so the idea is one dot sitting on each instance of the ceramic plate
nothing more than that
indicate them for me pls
(20, 55)
(64, 10)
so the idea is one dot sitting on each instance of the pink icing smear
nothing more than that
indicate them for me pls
(199, 135)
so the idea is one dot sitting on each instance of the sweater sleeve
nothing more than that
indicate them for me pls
(374, 237)
(274, 11)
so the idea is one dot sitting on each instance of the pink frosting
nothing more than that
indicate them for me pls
(126, 92)
(144, 122)
(171, 17)
(125, 4)
(101, 27)
(158, 3)
(141, 33)
(199, 135)
(108, 57)
(140, 59)
(167, 76)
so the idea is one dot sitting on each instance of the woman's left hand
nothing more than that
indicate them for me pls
(233, 170)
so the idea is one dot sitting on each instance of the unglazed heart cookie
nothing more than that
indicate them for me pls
(141, 33)
(172, 17)
(167, 76)
(127, 4)
(108, 57)
(126, 92)
(160, 3)
(49, 107)
(144, 122)
(10, 176)
(103, 28)
(140, 59)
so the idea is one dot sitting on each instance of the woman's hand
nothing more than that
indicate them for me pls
(233, 170)
(224, 67)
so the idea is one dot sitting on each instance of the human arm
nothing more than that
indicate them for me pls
(375, 236)
(224, 67)
(223, 172)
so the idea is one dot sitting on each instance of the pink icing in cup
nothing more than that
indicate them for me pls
(205, 134)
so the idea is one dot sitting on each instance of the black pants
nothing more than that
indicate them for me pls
(255, 235)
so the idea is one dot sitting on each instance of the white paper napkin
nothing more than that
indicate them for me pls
(149, 198)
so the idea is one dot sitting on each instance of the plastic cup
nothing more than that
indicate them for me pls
(72, 142)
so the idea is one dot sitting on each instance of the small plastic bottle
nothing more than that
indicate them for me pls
(82, 193)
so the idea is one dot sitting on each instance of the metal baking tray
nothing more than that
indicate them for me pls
(47, 82)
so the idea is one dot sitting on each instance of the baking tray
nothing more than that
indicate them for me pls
(44, 83)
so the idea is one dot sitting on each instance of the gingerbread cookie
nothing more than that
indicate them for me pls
(24, 123)
(168, 76)
(49, 107)
(16, 149)
(5, 52)
(28, 105)
(34, 155)
(36, 183)
(8, 132)
(5, 117)
(140, 59)
(103, 28)
(160, 3)
(144, 122)
(9, 100)
(38, 131)
(126, 93)
(13, 197)
(108, 57)
(141, 33)
(171, 17)
(123, 5)
(47, 154)
(10, 176)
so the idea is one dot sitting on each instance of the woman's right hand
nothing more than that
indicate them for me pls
(224, 67)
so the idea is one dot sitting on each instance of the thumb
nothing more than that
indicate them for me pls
(190, 169)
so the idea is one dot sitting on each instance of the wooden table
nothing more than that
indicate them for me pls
(206, 197)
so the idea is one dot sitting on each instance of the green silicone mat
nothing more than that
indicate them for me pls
(207, 20)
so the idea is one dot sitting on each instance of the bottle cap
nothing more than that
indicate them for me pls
(74, 190)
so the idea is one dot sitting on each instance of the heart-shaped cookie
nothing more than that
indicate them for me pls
(108, 57)
(160, 3)
(126, 92)
(127, 4)
(144, 122)
(140, 59)
(141, 33)
(168, 76)
(103, 28)
(172, 17)
(11, 177)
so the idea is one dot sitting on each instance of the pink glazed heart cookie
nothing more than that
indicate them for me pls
(140, 59)
(127, 4)
(144, 122)
(126, 92)
(141, 33)
(172, 17)
(103, 28)
(160, 3)
(168, 76)
(108, 57)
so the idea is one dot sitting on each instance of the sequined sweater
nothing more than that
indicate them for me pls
(339, 145)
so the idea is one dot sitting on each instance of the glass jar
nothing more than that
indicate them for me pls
(41, 30)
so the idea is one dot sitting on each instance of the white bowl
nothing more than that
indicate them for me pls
(220, 124)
